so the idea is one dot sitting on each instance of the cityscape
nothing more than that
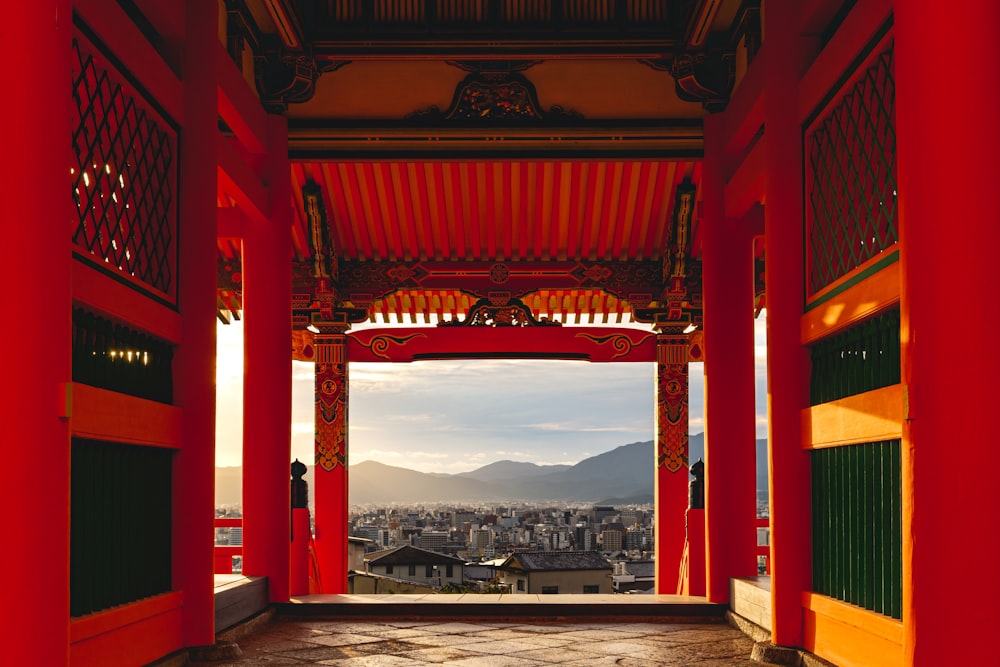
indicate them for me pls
(467, 548)
(587, 527)
(451, 548)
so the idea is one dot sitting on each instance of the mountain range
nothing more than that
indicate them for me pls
(621, 476)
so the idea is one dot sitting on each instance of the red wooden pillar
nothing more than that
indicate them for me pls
(787, 361)
(730, 430)
(331, 459)
(35, 304)
(298, 552)
(194, 361)
(267, 388)
(671, 457)
(694, 583)
(948, 141)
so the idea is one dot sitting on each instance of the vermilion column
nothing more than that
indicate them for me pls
(331, 459)
(948, 141)
(194, 361)
(267, 384)
(35, 259)
(671, 457)
(787, 363)
(730, 429)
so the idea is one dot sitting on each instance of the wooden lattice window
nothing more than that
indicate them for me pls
(124, 176)
(851, 177)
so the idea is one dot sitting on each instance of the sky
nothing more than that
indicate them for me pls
(456, 416)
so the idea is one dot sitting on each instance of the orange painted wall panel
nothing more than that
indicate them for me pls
(101, 292)
(869, 417)
(107, 415)
(130, 635)
(849, 635)
(870, 296)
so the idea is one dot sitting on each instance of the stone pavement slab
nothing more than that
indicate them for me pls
(291, 641)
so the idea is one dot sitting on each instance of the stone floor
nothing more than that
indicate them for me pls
(485, 643)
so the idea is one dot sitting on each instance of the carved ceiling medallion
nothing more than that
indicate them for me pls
(490, 96)
(514, 313)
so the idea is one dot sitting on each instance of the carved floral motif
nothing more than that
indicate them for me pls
(512, 314)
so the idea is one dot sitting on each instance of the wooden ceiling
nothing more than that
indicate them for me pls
(493, 210)
(590, 173)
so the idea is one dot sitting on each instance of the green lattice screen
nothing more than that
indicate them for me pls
(857, 525)
(121, 524)
(859, 359)
(113, 356)
(123, 177)
(852, 177)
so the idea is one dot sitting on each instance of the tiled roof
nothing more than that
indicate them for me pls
(557, 560)
(407, 555)
(642, 568)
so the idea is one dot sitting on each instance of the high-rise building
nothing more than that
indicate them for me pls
(611, 540)
(433, 540)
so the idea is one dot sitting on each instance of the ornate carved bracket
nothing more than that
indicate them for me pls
(285, 78)
(702, 76)
(324, 261)
(678, 303)
(512, 313)
(494, 95)
(705, 77)
(678, 306)
(675, 260)
(365, 282)
(229, 274)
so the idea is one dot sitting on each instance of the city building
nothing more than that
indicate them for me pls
(611, 540)
(357, 547)
(554, 572)
(433, 540)
(632, 517)
(683, 165)
(599, 513)
(637, 576)
(635, 539)
(417, 565)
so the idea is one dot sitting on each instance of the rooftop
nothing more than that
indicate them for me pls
(407, 555)
(641, 568)
(557, 560)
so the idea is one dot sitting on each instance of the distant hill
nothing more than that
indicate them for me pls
(373, 482)
(622, 476)
(511, 470)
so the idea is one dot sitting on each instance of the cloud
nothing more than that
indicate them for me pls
(574, 427)
(393, 454)
(455, 414)
(303, 427)
(410, 418)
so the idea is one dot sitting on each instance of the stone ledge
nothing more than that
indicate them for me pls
(247, 627)
(749, 628)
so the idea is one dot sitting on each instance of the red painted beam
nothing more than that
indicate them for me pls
(595, 344)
